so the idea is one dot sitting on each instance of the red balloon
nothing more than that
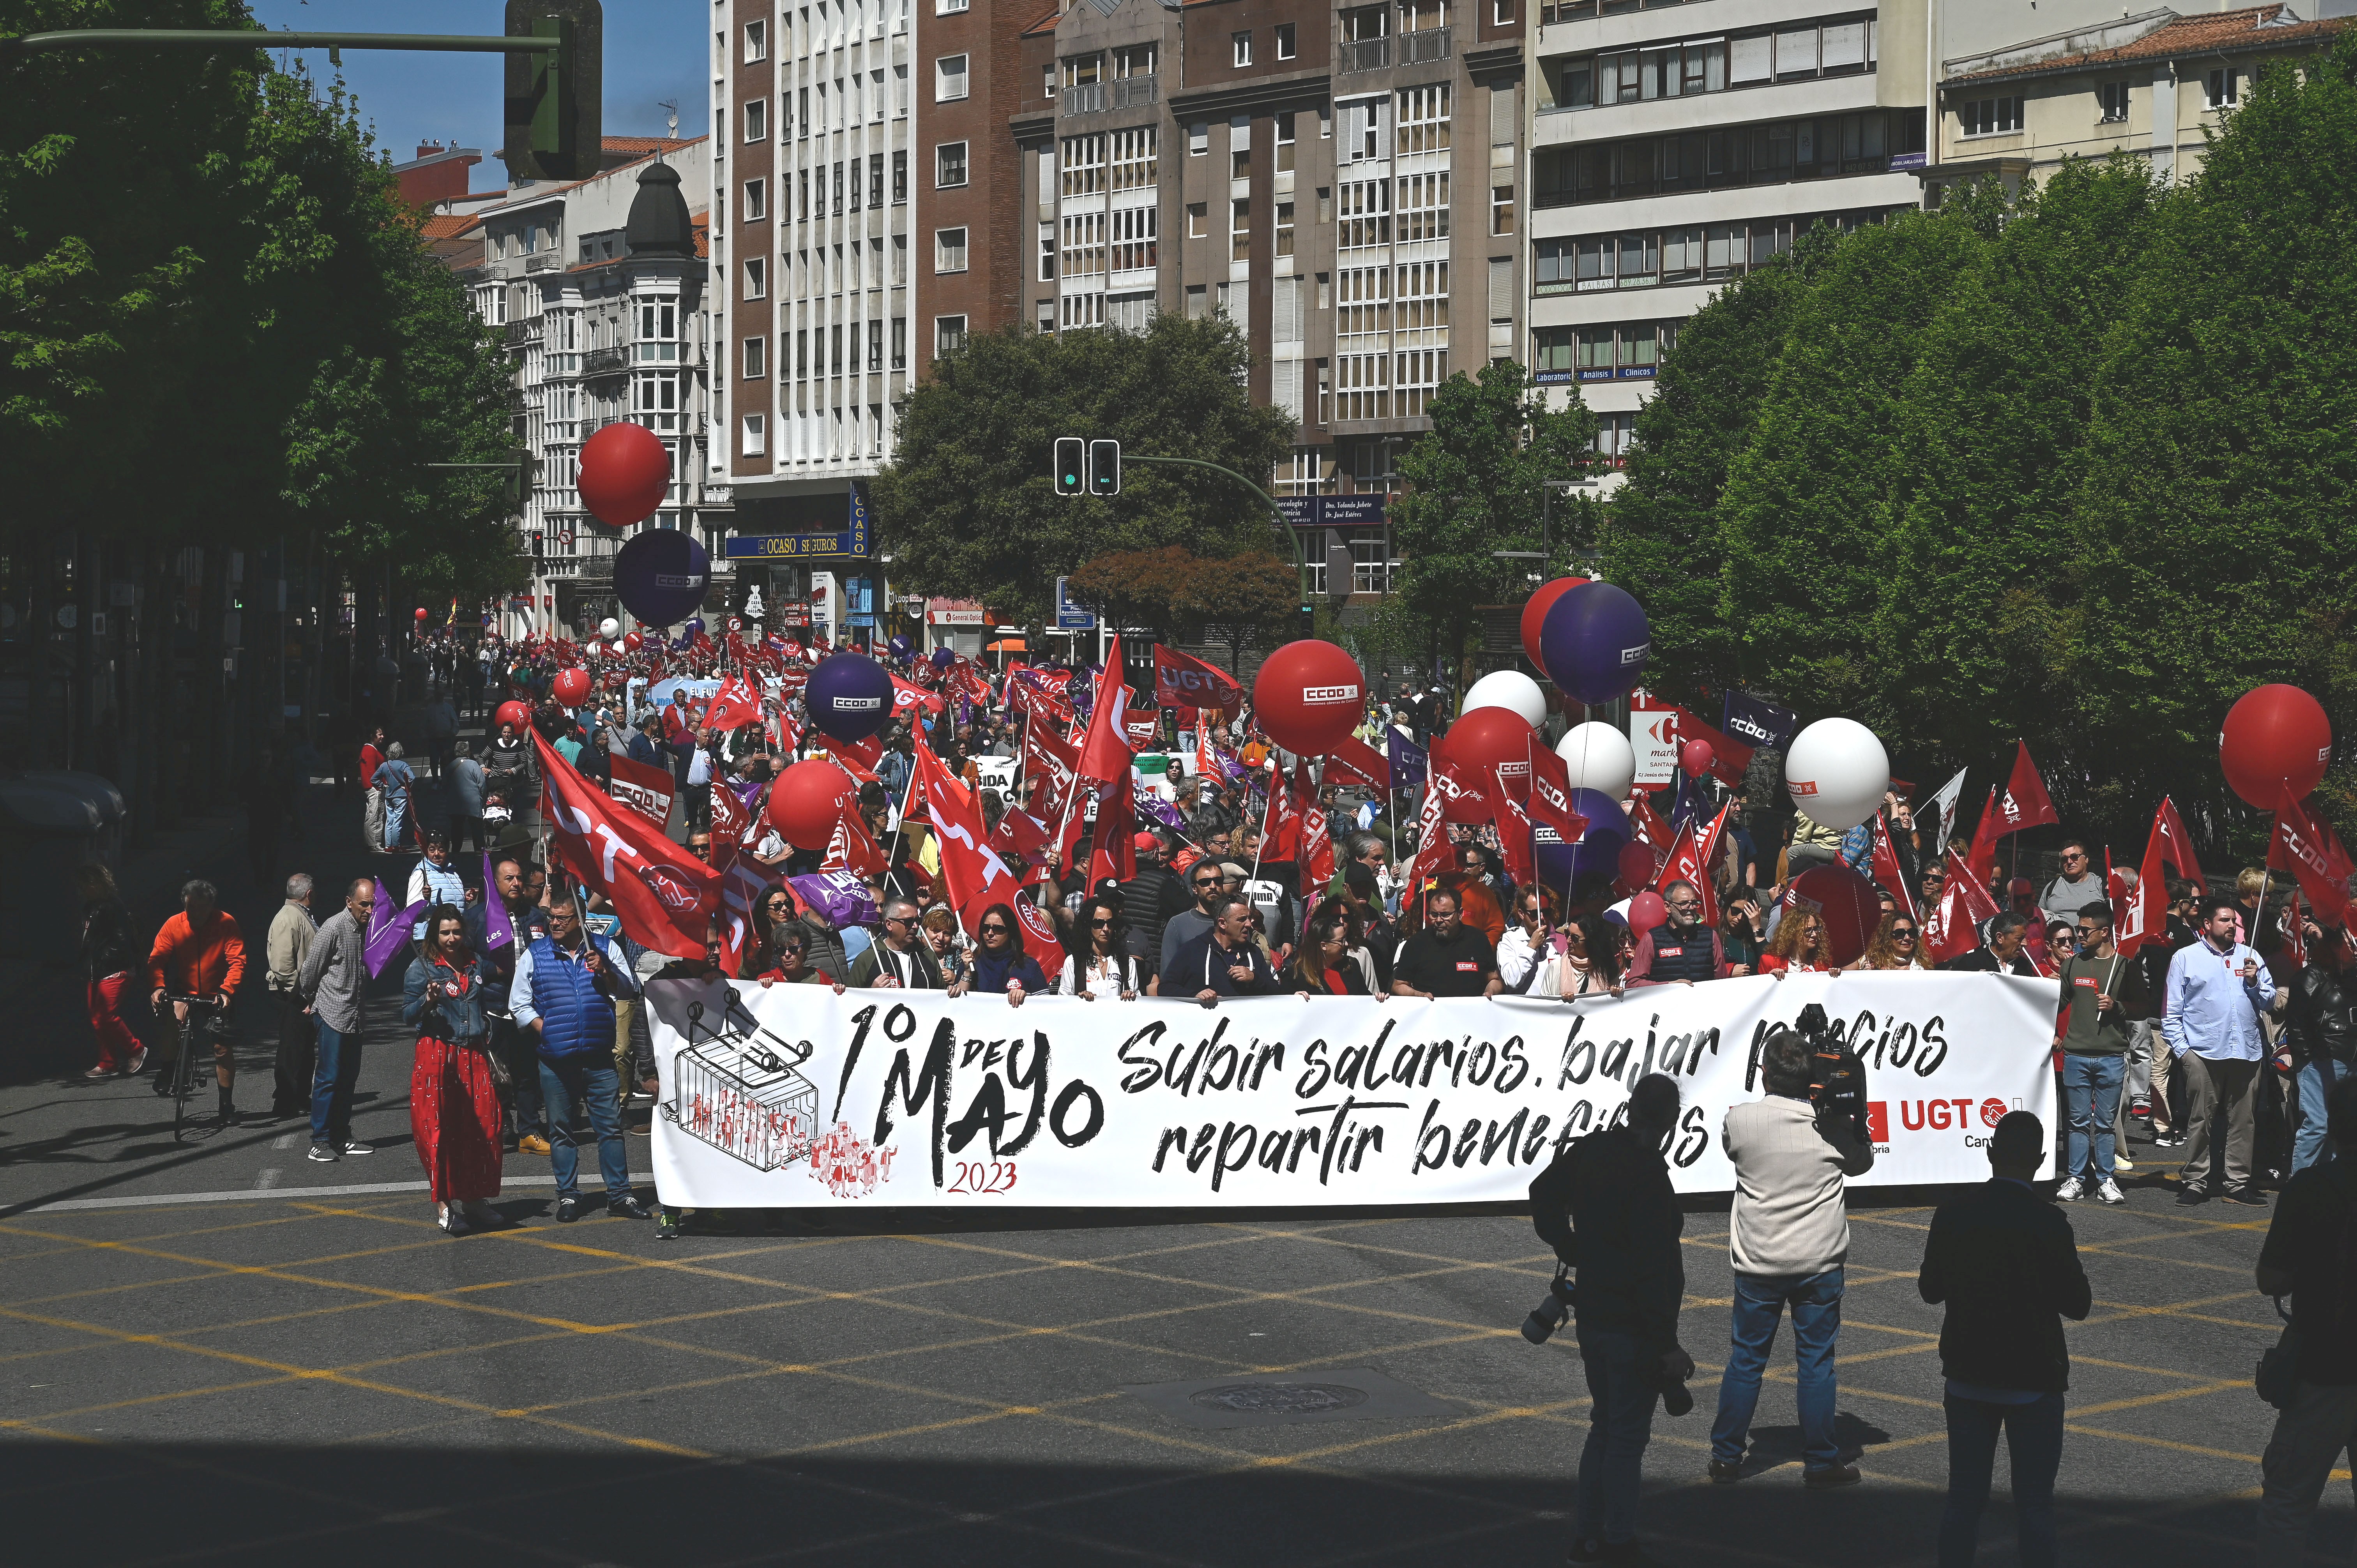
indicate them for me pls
(1848, 904)
(572, 686)
(421, 612)
(634, 643)
(1646, 911)
(807, 800)
(1697, 757)
(2274, 735)
(1534, 613)
(513, 713)
(624, 472)
(1638, 863)
(1492, 738)
(1308, 696)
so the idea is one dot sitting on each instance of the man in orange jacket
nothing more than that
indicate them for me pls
(199, 952)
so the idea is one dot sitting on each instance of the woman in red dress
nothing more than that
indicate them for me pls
(453, 1097)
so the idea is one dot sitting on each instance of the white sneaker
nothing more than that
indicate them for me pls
(2069, 1191)
(2108, 1191)
(2120, 1162)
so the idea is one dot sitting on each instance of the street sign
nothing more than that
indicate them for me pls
(1070, 616)
(1333, 511)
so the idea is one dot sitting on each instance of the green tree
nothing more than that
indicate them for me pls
(1476, 486)
(969, 506)
(1136, 588)
(1239, 600)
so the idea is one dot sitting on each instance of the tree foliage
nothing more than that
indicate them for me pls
(1239, 600)
(969, 509)
(2076, 468)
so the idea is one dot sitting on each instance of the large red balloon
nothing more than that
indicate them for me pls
(1848, 904)
(1492, 738)
(572, 686)
(1309, 696)
(1647, 911)
(806, 801)
(2274, 735)
(1534, 613)
(1638, 863)
(624, 471)
(513, 713)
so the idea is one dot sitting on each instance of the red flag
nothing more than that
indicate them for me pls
(1648, 823)
(1983, 855)
(851, 847)
(1183, 680)
(1515, 842)
(2131, 914)
(1104, 754)
(1887, 871)
(732, 825)
(1112, 855)
(1019, 833)
(970, 870)
(1550, 799)
(1280, 828)
(1027, 696)
(1054, 763)
(1690, 861)
(2295, 932)
(1461, 800)
(1142, 730)
(2025, 803)
(2322, 869)
(908, 698)
(1354, 761)
(1953, 929)
(1730, 758)
(663, 894)
(643, 787)
(787, 738)
(1433, 852)
(858, 758)
(1316, 856)
(736, 703)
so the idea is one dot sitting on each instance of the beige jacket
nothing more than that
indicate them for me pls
(290, 943)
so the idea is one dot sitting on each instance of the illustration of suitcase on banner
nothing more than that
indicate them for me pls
(736, 1088)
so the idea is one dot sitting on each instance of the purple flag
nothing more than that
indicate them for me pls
(1232, 770)
(838, 896)
(388, 933)
(1153, 805)
(499, 930)
(1408, 760)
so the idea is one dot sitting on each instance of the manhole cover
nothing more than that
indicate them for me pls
(1279, 1399)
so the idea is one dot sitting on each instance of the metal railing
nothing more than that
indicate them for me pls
(546, 262)
(1417, 48)
(1088, 98)
(1367, 54)
(605, 361)
(1135, 91)
(519, 332)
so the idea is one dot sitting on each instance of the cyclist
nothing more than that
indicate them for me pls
(199, 952)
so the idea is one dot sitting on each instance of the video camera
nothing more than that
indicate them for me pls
(1836, 1073)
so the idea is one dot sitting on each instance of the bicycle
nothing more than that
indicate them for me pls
(207, 1018)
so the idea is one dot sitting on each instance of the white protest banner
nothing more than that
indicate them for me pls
(793, 1096)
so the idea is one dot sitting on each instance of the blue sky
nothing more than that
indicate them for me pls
(654, 49)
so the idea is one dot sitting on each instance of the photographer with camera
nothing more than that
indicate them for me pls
(1791, 1151)
(1607, 1208)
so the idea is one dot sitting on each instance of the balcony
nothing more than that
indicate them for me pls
(546, 262)
(1367, 54)
(1422, 48)
(1088, 98)
(1135, 91)
(519, 333)
(605, 361)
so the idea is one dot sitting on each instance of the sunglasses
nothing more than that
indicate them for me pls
(994, 931)
(1101, 921)
(1207, 882)
(1905, 932)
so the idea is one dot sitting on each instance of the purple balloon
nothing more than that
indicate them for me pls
(1562, 864)
(849, 696)
(1594, 642)
(944, 657)
(661, 575)
(695, 628)
(902, 647)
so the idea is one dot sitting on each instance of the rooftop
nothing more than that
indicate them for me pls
(2251, 30)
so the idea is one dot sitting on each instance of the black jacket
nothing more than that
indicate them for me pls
(1147, 901)
(106, 944)
(2007, 1265)
(1625, 1228)
(1982, 960)
(2319, 1019)
(1203, 964)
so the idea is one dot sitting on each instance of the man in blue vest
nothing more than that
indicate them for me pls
(565, 983)
(1683, 950)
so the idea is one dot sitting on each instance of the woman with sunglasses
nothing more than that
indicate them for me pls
(1797, 946)
(1896, 944)
(1098, 964)
(1000, 964)
(1325, 966)
(773, 922)
(1589, 963)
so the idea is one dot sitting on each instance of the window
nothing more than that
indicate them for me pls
(1083, 71)
(1366, 209)
(1771, 153)
(1198, 215)
(756, 119)
(1133, 247)
(899, 177)
(949, 335)
(1501, 12)
(948, 7)
(1501, 210)
(2220, 88)
(1990, 116)
(757, 434)
(949, 81)
(801, 355)
(1240, 49)
(875, 179)
(755, 358)
(875, 345)
(1133, 60)
(757, 200)
(949, 165)
(1284, 228)
(757, 42)
(1083, 248)
(1285, 48)
(757, 278)
(1284, 144)
(1048, 81)
(1199, 138)
(1047, 252)
(1239, 230)
(2112, 96)
(1239, 164)
(899, 343)
(1423, 207)
(1424, 119)
(1083, 165)
(1132, 158)
(802, 112)
(1198, 302)
(949, 250)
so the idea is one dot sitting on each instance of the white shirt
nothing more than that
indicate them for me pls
(1107, 976)
(699, 767)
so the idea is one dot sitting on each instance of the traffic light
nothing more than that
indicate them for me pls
(1309, 613)
(1104, 467)
(522, 476)
(555, 118)
(1071, 460)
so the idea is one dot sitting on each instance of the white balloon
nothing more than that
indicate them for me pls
(1836, 772)
(1511, 690)
(1598, 758)
(621, 651)
(609, 628)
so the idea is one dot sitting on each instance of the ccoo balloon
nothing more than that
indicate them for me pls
(1594, 642)
(1511, 690)
(1847, 903)
(572, 686)
(1598, 758)
(1489, 740)
(2275, 736)
(662, 575)
(623, 471)
(1308, 696)
(1535, 615)
(807, 800)
(849, 696)
(1838, 773)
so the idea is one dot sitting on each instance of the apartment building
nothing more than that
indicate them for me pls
(2155, 84)
(598, 287)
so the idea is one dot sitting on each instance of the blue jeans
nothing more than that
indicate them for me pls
(1760, 1301)
(2092, 1084)
(1620, 1424)
(573, 1088)
(2033, 1440)
(2315, 1081)
(337, 1069)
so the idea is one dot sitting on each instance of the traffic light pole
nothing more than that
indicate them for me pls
(1283, 523)
(215, 38)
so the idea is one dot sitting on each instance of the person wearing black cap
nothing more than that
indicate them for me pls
(2005, 1263)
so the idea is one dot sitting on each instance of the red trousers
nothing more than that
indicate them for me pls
(116, 1041)
(454, 1115)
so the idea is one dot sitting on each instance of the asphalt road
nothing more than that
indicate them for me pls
(217, 1351)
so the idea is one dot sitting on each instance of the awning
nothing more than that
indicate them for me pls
(1005, 645)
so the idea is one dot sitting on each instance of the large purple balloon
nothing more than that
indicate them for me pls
(695, 628)
(1562, 864)
(944, 657)
(849, 696)
(1594, 642)
(661, 575)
